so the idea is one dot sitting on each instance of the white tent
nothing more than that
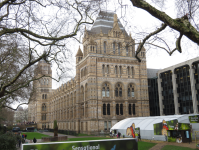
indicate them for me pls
(146, 125)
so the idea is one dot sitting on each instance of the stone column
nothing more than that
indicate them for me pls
(175, 93)
(193, 89)
(160, 95)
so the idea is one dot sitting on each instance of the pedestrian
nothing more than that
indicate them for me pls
(19, 142)
(35, 140)
(22, 136)
(119, 134)
(139, 137)
(111, 134)
(25, 136)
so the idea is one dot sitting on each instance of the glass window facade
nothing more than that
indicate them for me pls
(167, 93)
(184, 90)
(196, 77)
(153, 97)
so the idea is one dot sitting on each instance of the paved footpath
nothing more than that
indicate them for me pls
(161, 144)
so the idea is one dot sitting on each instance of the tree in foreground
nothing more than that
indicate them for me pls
(31, 31)
(186, 22)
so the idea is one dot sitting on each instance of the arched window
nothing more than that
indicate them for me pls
(121, 109)
(43, 117)
(118, 90)
(117, 109)
(104, 109)
(103, 69)
(108, 109)
(130, 112)
(131, 70)
(86, 91)
(107, 69)
(119, 48)
(43, 107)
(116, 70)
(128, 70)
(133, 109)
(127, 50)
(82, 94)
(45, 96)
(114, 48)
(131, 91)
(120, 70)
(46, 81)
(105, 90)
(104, 47)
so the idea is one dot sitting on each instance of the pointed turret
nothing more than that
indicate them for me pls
(79, 55)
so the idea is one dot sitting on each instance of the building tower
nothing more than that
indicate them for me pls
(38, 107)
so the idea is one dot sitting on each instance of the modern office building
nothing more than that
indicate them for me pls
(178, 88)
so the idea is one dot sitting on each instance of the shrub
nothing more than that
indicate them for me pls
(8, 141)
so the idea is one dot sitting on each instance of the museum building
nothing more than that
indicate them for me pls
(110, 83)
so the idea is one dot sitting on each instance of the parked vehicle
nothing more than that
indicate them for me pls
(30, 129)
(15, 130)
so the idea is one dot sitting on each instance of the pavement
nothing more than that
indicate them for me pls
(161, 144)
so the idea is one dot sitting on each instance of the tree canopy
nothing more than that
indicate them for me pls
(32, 30)
(185, 23)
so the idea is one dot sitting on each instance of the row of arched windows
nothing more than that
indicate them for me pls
(116, 47)
(118, 90)
(44, 81)
(118, 70)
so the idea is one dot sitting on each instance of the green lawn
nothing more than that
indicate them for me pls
(145, 145)
(80, 134)
(171, 147)
(87, 138)
(31, 135)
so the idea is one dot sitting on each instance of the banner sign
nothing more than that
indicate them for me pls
(164, 126)
(194, 119)
(108, 144)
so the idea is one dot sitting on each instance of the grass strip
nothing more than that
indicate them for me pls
(145, 145)
(31, 135)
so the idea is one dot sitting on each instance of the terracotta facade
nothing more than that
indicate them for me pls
(110, 84)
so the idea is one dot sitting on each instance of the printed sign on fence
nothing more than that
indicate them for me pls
(108, 144)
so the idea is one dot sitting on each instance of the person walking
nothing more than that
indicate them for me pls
(35, 140)
(25, 136)
(19, 142)
(119, 134)
(139, 137)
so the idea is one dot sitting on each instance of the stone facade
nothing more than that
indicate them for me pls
(110, 84)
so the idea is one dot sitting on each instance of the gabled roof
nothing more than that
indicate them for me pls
(104, 23)
(79, 52)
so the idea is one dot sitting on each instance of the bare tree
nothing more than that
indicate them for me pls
(6, 116)
(32, 30)
(185, 23)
